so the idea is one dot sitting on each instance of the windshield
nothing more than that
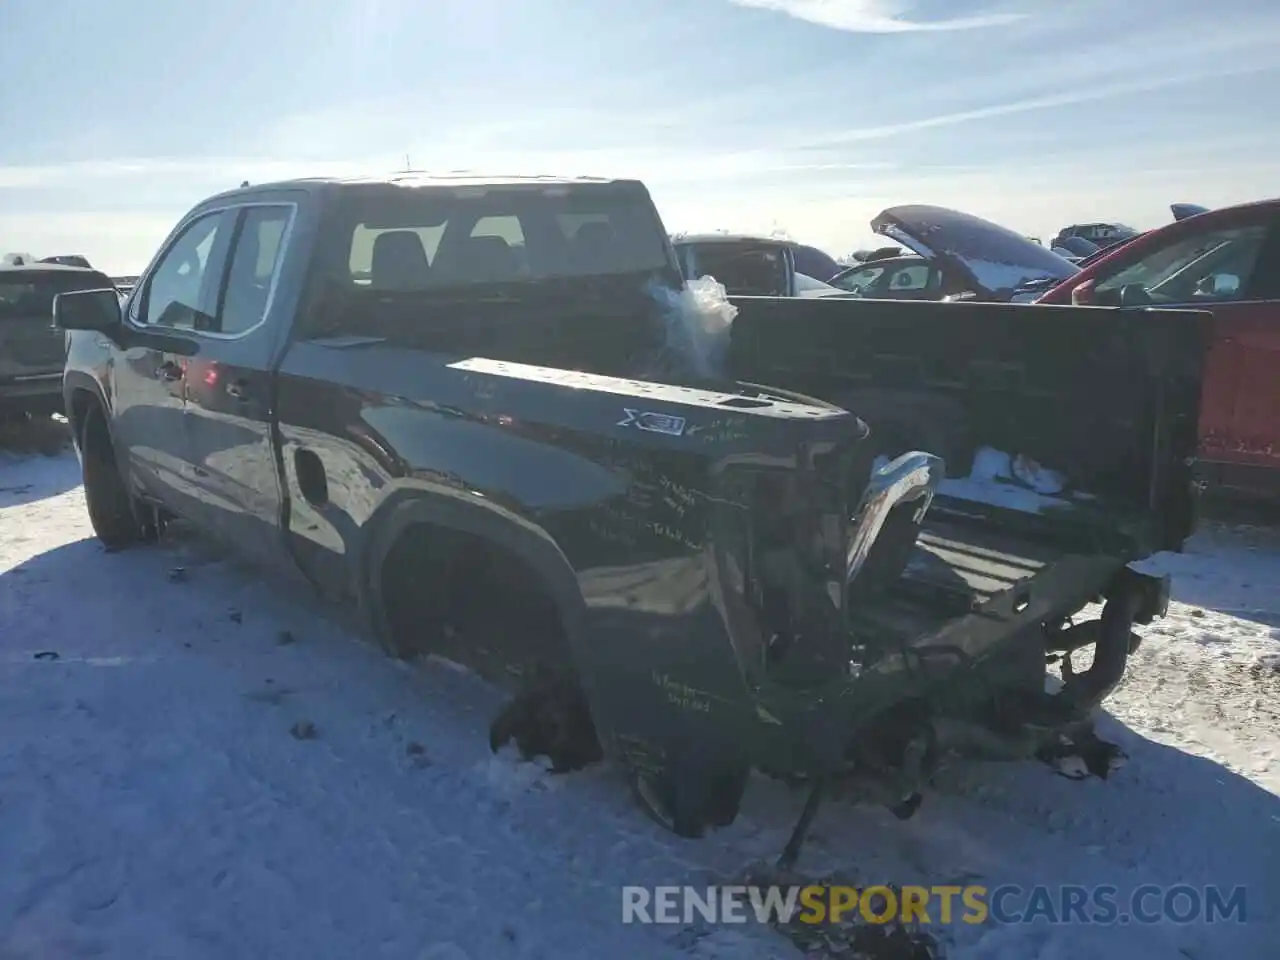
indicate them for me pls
(807, 286)
(406, 239)
(1203, 267)
(858, 279)
(812, 262)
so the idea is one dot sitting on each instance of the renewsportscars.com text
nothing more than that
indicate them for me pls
(1006, 904)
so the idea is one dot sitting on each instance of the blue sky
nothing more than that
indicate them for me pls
(808, 116)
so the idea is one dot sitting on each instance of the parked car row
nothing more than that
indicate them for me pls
(1224, 261)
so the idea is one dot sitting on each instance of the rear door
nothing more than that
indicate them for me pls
(1233, 270)
(230, 388)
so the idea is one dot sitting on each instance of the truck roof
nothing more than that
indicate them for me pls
(424, 180)
(730, 238)
(44, 268)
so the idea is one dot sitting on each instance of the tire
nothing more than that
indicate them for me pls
(686, 804)
(113, 513)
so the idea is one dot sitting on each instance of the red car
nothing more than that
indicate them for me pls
(1225, 261)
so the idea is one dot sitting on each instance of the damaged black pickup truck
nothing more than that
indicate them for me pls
(484, 414)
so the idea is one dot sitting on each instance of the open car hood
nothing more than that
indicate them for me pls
(994, 260)
(1183, 210)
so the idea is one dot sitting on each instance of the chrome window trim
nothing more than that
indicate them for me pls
(177, 233)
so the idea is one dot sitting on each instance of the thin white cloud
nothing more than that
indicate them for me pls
(1036, 197)
(873, 16)
(233, 170)
(1096, 93)
(145, 175)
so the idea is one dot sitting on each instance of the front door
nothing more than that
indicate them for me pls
(230, 392)
(1241, 417)
(176, 297)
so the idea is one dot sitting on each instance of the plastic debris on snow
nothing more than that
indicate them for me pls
(698, 322)
(1014, 482)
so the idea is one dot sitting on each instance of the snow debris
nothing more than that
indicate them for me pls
(151, 803)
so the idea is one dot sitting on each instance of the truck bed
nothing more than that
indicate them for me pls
(959, 565)
(1108, 398)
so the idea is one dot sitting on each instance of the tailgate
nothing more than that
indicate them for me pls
(30, 345)
(1107, 397)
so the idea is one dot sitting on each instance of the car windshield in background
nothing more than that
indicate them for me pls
(743, 269)
(419, 239)
(30, 294)
(812, 262)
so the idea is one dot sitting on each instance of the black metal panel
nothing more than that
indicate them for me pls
(1109, 397)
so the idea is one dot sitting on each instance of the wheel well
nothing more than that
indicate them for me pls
(460, 594)
(82, 403)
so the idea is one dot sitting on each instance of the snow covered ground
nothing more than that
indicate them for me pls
(194, 764)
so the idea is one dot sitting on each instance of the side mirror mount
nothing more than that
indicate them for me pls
(88, 310)
(1083, 294)
(1134, 295)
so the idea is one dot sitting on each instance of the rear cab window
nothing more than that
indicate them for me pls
(392, 238)
(27, 294)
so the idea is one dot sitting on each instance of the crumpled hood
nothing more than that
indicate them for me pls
(994, 259)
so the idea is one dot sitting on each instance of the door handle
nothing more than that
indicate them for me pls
(169, 371)
(238, 389)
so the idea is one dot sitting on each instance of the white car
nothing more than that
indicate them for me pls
(806, 286)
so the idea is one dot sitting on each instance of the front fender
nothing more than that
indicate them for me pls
(77, 384)
(87, 367)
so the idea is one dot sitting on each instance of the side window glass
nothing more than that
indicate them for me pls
(1209, 267)
(179, 292)
(911, 278)
(254, 262)
(856, 282)
(1265, 283)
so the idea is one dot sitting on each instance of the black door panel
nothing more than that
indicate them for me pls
(230, 407)
(149, 379)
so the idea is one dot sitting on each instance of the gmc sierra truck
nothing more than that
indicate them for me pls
(455, 406)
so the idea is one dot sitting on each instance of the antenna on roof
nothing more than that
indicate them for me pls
(408, 167)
